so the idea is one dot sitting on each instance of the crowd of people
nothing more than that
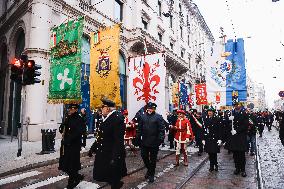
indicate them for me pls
(209, 130)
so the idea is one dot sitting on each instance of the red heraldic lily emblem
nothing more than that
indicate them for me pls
(147, 81)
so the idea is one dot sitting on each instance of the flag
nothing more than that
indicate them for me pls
(175, 93)
(201, 94)
(65, 57)
(104, 58)
(183, 95)
(146, 83)
(226, 72)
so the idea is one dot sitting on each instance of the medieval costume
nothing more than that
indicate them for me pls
(130, 132)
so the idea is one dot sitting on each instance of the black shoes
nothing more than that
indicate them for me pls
(243, 174)
(211, 168)
(199, 153)
(151, 179)
(237, 171)
(216, 168)
(117, 185)
(73, 183)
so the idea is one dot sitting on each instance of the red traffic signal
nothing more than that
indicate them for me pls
(16, 70)
(30, 73)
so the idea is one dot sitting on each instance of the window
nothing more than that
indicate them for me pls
(172, 46)
(182, 53)
(160, 36)
(171, 21)
(160, 8)
(145, 24)
(181, 33)
(118, 10)
(188, 40)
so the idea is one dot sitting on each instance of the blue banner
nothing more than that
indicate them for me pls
(236, 89)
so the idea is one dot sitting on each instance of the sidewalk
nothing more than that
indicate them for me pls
(30, 153)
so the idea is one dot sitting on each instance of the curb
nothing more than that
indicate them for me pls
(35, 165)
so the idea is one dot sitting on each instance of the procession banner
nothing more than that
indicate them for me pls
(226, 75)
(65, 58)
(201, 94)
(147, 78)
(104, 57)
(175, 95)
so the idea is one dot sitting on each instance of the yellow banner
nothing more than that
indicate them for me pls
(175, 93)
(104, 58)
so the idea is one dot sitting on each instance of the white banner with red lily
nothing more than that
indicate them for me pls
(147, 79)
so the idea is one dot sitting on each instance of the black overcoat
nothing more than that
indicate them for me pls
(196, 129)
(281, 129)
(72, 130)
(238, 142)
(109, 148)
(212, 133)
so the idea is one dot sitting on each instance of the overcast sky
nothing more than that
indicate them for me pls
(261, 21)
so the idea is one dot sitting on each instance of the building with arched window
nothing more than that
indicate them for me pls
(25, 27)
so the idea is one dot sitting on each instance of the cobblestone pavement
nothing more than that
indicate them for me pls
(224, 178)
(271, 160)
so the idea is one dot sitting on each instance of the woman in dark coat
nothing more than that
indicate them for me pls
(212, 138)
(109, 165)
(72, 130)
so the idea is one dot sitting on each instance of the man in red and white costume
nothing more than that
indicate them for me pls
(183, 135)
(130, 132)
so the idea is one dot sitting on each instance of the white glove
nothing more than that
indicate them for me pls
(231, 118)
(203, 142)
(234, 132)
(187, 140)
(219, 142)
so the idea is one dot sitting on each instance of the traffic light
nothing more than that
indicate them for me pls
(16, 70)
(30, 73)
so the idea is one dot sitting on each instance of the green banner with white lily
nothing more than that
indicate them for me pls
(65, 58)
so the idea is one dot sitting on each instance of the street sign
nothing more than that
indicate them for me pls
(281, 93)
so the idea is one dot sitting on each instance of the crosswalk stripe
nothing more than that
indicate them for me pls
(18, 177)
(87, 185)
(45, 182)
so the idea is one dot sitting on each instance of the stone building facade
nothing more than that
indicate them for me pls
(25, 27)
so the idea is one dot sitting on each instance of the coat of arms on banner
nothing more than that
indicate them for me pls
(104, 65)
(146, 82)
(225, 72)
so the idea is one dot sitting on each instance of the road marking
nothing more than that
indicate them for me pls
(45, 182)
(18, 177)
(87, 185)
(167, 169)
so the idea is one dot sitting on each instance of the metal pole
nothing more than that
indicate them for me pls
(20, 126)
(13, 111)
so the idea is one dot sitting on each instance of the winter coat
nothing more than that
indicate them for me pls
(197, 128)
(72, 130)
(238, 142)
(183, 131)
(172, 119)
(212, 133)
(151, 130)
(109, 148)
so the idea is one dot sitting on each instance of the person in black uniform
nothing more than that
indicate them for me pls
(172, 119)
(197, 128)
(281, 127)
(109, 149)
(212, 138)
(151, 132)
(252, 133)
(72, 130)
(237, 142)
(260, 123)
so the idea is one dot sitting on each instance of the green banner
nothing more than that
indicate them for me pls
(65, 68)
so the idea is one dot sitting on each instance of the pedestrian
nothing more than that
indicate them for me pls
(151, 132)
(237, 142)
(212, 138)
(69, 161)
(197, 128)
(281, 127)
(260, 123)
(130, 132)
(172, 118)
(83, 114)
(251, 133)
(109, 149)
(183, 134)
